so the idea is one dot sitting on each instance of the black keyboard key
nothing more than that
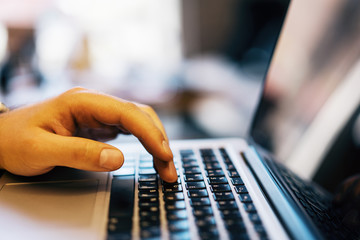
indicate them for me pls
(235, 224)
(227, 205)
(241, 189)
(209, 159)
(148, 193)
(197, 193)
(237, 181)
(249, 207)
(220, 188)
(230, 166)
(200, 202)
(172, 187)
(180, 235)
(195, 185)
(149, 223)
(186, 152)
(147, 185)
(207, 152)
(245, 198)
(254, 217)
(209, 233)
(178, 225)
(205, 222)
(173, 196)
(121, 205)
(149, 213)
(175, 205)
(215, 173)
(233, 173)
(200, 212)
(216, 180)
(147, 202)
(188, 164)
(218, 196)
(192, 170)
(176, 215)
(193, 177)
(150, 217)
(231, 214)
(151, 232)
(212, 166)
(122, 197)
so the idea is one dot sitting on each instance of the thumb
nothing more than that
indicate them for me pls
(82, 153)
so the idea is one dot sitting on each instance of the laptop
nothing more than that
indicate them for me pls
(227, 189)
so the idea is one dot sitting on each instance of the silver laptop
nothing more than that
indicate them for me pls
(226, 189)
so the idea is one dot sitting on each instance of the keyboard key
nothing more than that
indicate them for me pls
(212, 166)
(188, 164)
(176, 214)
(209, 233)
(175, 187)
(234, 224)
(237, 181)
(148, 193)
(147, 185)
(223, 196)
(255, 218)
(202, 211)
(193, 177)
(209, 159)
(173, 196)
(149, 223)
(121, 205)
(227, 205)
(205, 222)
(147, 171)
(186, 152)
(175, 205)
(245, 198)
(230, 166)
(230, 214)
(241, 189)
(150, 232)
(206, 152)
(215, 173)
(220, 188)
(233, 173)
(199, 202)
(150, 213)
(249, 207)
(147, 178)
(178, 225)
(197, 193)
(216, 180)
(185, 235)
(195, 185)
(192, 170)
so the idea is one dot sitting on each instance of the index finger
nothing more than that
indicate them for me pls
(87, 106)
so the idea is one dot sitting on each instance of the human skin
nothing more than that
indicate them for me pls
(62, 131)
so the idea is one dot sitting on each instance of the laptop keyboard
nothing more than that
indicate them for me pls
(317, 205)
(207, 186)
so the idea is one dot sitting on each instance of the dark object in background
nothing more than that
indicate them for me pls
(21, 59)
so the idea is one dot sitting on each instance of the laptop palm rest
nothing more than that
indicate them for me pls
(42, 208)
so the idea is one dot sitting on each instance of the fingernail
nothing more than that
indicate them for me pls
(111, 159)
(167, 148)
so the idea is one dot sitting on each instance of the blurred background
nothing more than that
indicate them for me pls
(199, 63)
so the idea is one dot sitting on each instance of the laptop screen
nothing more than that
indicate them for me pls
(311, 86)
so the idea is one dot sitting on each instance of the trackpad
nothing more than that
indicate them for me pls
(43, 208)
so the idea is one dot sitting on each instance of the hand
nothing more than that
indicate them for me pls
(35, 139)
